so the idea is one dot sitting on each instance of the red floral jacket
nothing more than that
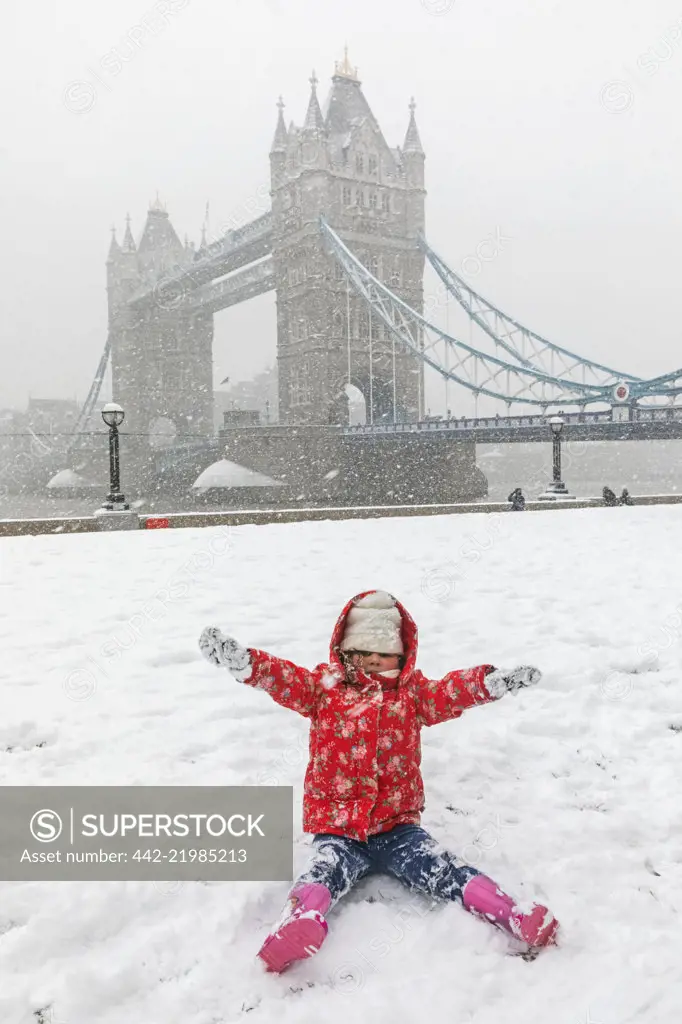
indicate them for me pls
(363, 776)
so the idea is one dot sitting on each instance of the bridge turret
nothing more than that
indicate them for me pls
(413, 151)
(160, 250)
(161, 355)
(278, 150)
(313, 147)
(413, 159)
(128, 240)
(314, 121)
(114, 248)
(123, 276)
(113, 276)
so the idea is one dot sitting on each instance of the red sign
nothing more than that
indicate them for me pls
(621, 391)
(157, 524)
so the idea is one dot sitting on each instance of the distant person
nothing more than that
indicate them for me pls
(364, 793)
(518, 502)
(609, 497)
(625, 498)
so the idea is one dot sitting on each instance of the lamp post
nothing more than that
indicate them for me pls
(113, 415)
(557, 488)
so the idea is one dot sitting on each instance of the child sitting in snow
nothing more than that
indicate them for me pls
(364, 794)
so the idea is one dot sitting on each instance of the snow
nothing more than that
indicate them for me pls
(567, 793)
(67, 478)
(230, 474)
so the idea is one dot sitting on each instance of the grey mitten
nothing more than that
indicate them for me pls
(225, 652)
(504, 680)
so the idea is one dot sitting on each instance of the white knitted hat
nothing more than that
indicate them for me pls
(373, 624)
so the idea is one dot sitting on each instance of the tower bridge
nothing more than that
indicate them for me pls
(343, 246)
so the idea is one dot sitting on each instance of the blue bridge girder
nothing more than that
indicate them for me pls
(525, 346)
(478, 371)
(483, 373)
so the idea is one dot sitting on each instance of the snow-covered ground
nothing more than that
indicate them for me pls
(569, 793)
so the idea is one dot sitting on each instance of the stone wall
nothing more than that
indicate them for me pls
(321, 464)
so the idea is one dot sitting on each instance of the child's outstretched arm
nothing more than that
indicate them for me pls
(290, 685)
(442, 699)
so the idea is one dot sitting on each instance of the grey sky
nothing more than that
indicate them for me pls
(554, 123)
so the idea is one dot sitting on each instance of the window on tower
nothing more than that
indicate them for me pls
(360, 164)
(386, 202)
(294, 388)
(373, 198)
(171, 345)
(347, 195)
(300, 389)
(299, 328)
(373, 165)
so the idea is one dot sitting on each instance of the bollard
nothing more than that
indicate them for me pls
(122, 520)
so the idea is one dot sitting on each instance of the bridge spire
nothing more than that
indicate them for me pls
(344, 68)
(281, 139)
(314, 121)
(128, 240)
(159, 246)
(114, 247)
(413, 144)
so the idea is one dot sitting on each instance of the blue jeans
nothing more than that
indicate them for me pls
(407, 852)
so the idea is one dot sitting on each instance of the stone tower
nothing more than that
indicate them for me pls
(161, 356)
(338, 164)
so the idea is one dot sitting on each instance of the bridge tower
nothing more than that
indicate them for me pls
(161, 354)
(339, 165)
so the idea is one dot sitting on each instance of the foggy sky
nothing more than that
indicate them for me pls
(554, 123)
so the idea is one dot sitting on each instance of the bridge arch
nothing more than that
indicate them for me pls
(364, 400)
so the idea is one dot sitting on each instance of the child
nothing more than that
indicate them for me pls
(363, 793)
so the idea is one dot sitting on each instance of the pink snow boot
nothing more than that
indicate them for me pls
(537, 927)
(301, 930)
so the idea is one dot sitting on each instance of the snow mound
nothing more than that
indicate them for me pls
(230, 474)
(67, 478)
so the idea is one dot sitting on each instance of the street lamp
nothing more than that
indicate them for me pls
(557, 489)
(113, 415)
